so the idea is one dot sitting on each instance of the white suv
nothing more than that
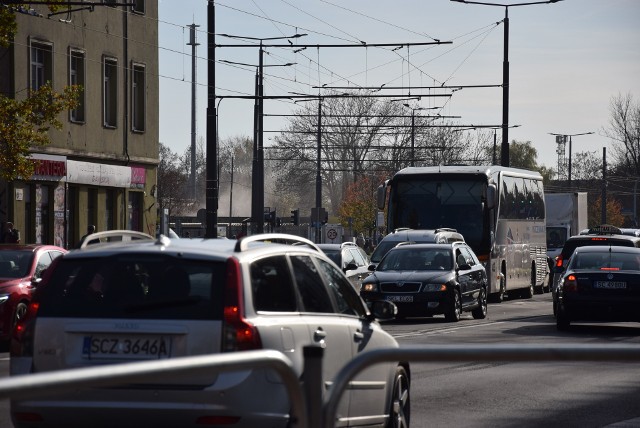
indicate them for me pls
(170, 298)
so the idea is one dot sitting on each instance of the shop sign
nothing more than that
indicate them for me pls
(98, 174)
(49, 167)
(138, 177)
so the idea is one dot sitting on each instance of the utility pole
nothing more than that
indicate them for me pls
(565, 139)
(194, 79)
(504, 148)
(318, 170)
(603, 198)
(211, 230)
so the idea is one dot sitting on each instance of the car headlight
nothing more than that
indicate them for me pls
(435, 287)
(370, 287)
(4, 298)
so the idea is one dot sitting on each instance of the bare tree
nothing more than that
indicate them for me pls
(624, 130)
(172, 182)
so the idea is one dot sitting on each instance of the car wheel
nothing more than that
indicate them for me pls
(455, 308)
(562, 319)
(480, 312)
(21, 311)
(400, 406)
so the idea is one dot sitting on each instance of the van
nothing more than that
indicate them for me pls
(441, 235)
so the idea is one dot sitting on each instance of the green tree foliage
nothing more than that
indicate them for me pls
(26, 123)
(8, 26)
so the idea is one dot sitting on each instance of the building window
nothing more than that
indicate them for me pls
(138, 98)
(41, 64)
(77, 77)
(138, 6)
(110, 92)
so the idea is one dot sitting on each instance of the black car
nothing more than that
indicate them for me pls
(601, 283)
(352, 259)
(430, 279)
(601, 235)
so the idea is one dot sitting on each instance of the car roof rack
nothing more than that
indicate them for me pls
(445, 229)
(604, 229)
(275, 238)
(115, 236)
(348, 244)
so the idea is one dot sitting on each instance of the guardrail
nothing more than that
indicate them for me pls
(308, 409)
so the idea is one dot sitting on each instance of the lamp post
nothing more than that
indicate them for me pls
(504, 148)
(565, 136)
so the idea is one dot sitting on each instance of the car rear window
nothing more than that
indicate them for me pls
(571, 245)
(134, 287)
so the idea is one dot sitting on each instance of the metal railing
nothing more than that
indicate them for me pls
(308, 408)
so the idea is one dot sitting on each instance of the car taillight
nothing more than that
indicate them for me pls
(238, 333)
(22, 334)
(570, 283)
(559, 261)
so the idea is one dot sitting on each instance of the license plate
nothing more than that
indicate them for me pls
(610, 284)
(400, 299)
(138, 347)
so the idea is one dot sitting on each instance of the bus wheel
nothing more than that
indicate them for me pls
(528, 292)
(499, 296)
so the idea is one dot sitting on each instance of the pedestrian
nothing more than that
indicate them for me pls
(90, 229)
(11, 234)
(360, 240)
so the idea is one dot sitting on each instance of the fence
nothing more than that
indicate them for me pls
(308, 408)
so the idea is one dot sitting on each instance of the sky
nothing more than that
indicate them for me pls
(567, 60)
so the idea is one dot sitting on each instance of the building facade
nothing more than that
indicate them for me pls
(101, 167)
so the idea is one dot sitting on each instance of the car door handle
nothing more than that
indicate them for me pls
(358, 336)
(319, 335)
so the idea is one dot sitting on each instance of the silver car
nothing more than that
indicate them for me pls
(112, 303)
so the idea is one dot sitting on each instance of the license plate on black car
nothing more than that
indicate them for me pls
(610, 284)
(400, 299)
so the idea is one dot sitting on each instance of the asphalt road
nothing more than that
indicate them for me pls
(499, 394)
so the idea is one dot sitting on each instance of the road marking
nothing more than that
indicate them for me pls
(445, 330)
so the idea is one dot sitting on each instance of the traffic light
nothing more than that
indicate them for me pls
(270, 217)
(295, 217)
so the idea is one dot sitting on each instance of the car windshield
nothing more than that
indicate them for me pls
(15, 263)
(605, 260)
(382, 249)
(416, 259)
(334, 255)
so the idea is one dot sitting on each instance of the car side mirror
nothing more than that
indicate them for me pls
(350, 266)
(35, 281)
(372, 267)
(464, 266)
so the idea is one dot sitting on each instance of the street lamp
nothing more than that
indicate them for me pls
(565, 137)
(504, 149)
(413, 125)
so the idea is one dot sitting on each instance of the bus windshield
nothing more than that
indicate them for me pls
(438, 200)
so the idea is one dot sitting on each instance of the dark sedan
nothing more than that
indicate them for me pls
(430, 279)
(21, 267)
(601, 283)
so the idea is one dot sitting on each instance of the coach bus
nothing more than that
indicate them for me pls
(500, 212)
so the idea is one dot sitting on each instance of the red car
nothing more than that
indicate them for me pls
(21, 268)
